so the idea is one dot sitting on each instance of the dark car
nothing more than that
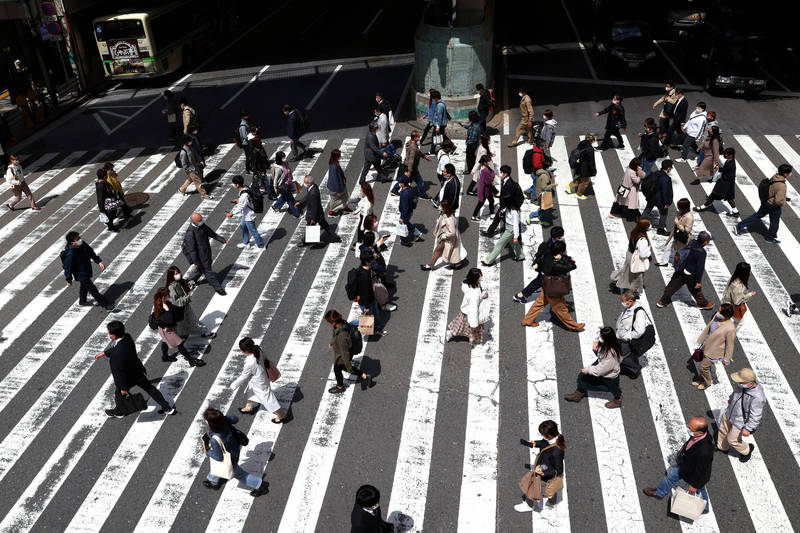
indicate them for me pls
(733, 67)
(627, 43)
(686, 18)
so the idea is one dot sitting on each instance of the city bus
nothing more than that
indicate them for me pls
(153, 42)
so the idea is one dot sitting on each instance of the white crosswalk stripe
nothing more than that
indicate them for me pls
(44, 367)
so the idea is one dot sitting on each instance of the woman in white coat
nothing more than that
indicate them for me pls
(468, 322)
(624, 278)
(258, 389)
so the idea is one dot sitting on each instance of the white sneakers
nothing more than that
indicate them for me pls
(523, 507)
(243, 245)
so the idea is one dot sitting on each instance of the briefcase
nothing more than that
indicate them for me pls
(131, 403)
(366, 325)
(555, 286)
(687, 505)
(312, 234)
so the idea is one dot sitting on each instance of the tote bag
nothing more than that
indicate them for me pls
(687, 505)
(312, 234)
(639, 265)
(366, 325)
(401, 230)
(222, 469)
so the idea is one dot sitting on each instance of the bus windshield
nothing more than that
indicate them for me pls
(119, 29)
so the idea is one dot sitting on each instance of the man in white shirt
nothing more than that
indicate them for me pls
(695, 130)
(631, 325)
(383, 126)
(244, 205)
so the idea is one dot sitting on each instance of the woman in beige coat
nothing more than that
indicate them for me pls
(713, 147)
(681, 232)
(448, 240)
(626, 205)
(717, 342)
(737, 294)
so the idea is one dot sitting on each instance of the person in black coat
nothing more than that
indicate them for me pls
(675, 135)
(77, 258)
(649, 146)
(128, 371)
(366, 515)
(725, 188)
(372, 154)
(484, 105)
(197, 250)
(615, 123)
(106, 198)
(693, 463)
(294, 130)
(542, 254)
(451, 189)
(313, 204)
(584, 170)
(661, 198)
(509, 189)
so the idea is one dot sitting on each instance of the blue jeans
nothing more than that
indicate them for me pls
(289, 200)
(671, 480)
(701, 155)
(417, 178)
(248, 229)
(532, 189)
(647, 165)
(238, 473)
(774, 212)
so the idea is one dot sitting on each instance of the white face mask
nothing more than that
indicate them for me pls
(378, 100)
(79, 242)
(520, 95)
(613, 101)
(698, 110)
(667, 89)
(177, 276)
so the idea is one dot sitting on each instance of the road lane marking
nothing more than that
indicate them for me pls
(768, 169)
(671, 63)
(371, 22)
(313, 22)
(37, 183)
(580, 43)
(245, 86)
(324, 86)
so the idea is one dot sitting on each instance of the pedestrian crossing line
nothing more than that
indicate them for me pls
(34, 268)
(759, 493)
(412, 472)
(313, 473)
(792, 158)
(617, 482)
(167, 177)
(542, 387)
(37, 182)
(176, 483)
(234, 506)
(32, 422)
(478, 499)
(41, 230)
(106, 491)
(41, 161)
(767, 168)
(665, 406)
(22, 221)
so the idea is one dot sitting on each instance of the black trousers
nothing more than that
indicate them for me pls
(533, 286)
(479, 206)
(471, 151)
(613, 132)
(663, 126)
(87, 287)
(337, 372)
(248, 156)
(496, 221)
(148, 387)
(587, 382)
(367, 166)
(211, 276)
(425, 133)
(181, 350)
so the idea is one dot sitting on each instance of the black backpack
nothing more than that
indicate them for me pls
(350, 287)
(178, 162)
(649, 185)
(256, 198)
(63, 256)
(647, 340)
(763, 189)
(239, 435)
(574, 158)
(527, 161)
(356, 340)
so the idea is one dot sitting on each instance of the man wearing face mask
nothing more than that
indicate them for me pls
(77, 258)
(661, 198)
(631, 325)
(525, 118)
(667, 101)
(695, 131)
(197, 250)
(16, 181)
(385, 107)
(743, 415)
(615, 123)
(366, 515)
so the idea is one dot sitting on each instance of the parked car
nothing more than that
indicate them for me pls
(733, 67)
(686, 18)
(626, 42)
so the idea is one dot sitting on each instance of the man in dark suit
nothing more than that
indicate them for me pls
(508, 189)
(661, 198)
(675, 135)
(294, 130)
(451, 189)
(484, 105)
(372, 154)
(693, 463)
(313, 204)
(127, 370)
(197, 250)
(366, 515)
(615, 123)
(77, 258)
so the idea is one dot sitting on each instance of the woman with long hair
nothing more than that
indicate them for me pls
(737, 293)
(681, 232)
(483, 150)
(623, 278)
(712, 148)
(547, 469)
(283, 185)
(259, 390)
(342, 344)
(604, 374)
(511, 236)
(626, 204)
(337, 185)
(468, 321)
(166, 317)
(365, 208)
(485, 184)
(180, 295)
(262, 169)
(448, 239)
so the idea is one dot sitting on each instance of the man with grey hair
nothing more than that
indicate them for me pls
(197, 250)
(631, 326)
(313, 205)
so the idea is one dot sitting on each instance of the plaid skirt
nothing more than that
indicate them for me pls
(459, 327)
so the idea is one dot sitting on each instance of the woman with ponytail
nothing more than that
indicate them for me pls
(548, 469)
(258, 389)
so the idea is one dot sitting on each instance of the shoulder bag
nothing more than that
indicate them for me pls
(556, 286)
(638, 263)
(272, 371)
(222, 469)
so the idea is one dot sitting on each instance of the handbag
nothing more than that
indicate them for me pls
(639, 265)
(687, 505)
(366, 324)
(131, 403)
(401, 230)
(222, 469)
(546, 201)
(556, 286)
(681, 236)
(313, 234)
(380, 291)
(739, 311)
(553, 486)
(272, 371)
(112, 204)
(152, 321)
(462, 252)
(697, 355)
(484, 309)
(623, 191)
(437, 139)
(526, 484)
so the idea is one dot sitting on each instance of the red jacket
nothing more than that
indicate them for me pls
(538, 158)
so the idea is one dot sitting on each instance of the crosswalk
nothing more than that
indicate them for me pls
(439, 433)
